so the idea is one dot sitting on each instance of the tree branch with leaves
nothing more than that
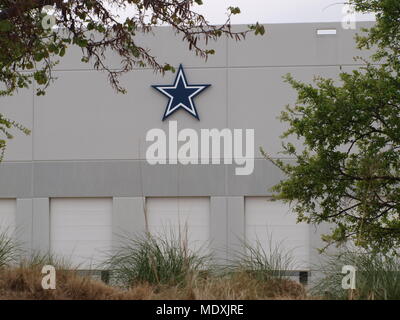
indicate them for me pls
(348, 171)
(29, 52)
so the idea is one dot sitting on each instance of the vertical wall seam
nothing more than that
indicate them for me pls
(32, 160)
(227, 238)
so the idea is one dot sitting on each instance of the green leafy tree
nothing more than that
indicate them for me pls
(348, 171)
(30, 47)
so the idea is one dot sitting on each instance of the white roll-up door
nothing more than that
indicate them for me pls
(187, 218)
(81, 230)
(273, 224)
(7, 217)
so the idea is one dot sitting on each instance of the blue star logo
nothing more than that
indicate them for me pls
(181, 94)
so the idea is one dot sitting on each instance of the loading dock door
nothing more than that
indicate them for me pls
(188, 218)
(272, 220)
(81, 230)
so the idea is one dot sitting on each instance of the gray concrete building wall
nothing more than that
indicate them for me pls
(89, 141)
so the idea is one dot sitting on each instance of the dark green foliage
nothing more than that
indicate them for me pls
(348, 172)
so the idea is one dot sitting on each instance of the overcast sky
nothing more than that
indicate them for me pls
(277, 11)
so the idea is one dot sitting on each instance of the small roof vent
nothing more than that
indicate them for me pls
(326, 32)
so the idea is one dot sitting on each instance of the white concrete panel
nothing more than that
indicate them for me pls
(20, 109)
(81, 230)
(161, 43)
(7, 217)
(187, 218)
(257, 96)
(164, 44)
(273, 224)
(82, 117)
(296, 45)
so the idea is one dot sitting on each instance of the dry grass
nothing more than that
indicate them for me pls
(149, 268)
(24, 283)
(243, 286)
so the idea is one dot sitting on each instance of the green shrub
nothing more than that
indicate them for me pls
(39, 259)
(9, 249)
(161, 260)
(377, 276)
(265, 264)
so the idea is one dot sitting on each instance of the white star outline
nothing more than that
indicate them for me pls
(192, 108)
